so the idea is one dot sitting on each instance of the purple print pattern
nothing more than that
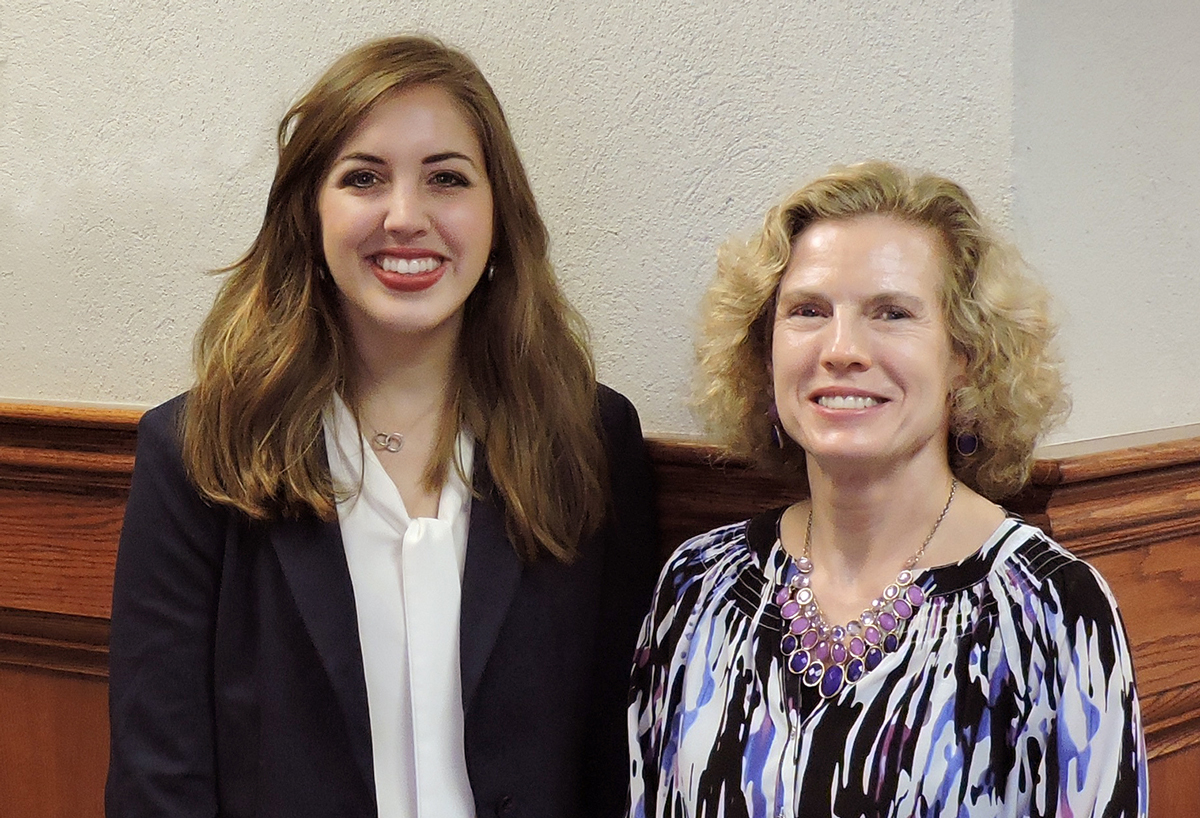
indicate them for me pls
(1011, 694)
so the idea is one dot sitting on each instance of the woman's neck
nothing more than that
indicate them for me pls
(874, 519)
(398, 379)
(867, 525)
(404, 388)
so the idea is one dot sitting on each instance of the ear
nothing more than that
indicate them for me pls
(958, 374)
(768, 341)
(959, 361)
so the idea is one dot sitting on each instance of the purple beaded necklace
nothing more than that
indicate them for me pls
(829, 658)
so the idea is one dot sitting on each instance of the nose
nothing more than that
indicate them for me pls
(407, 212)
(845, 344)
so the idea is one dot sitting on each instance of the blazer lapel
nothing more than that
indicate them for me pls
(490, 579)
(314, 564)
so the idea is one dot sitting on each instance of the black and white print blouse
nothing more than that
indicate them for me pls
(1011, 694)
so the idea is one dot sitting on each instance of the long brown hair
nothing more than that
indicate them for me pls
(997, 314)
(274, 348)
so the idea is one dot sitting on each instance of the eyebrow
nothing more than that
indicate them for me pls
(442, 157)
(433, 159)
(895, 295)
(793, 296)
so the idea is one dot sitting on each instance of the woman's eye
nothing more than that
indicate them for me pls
(894, 313)
(360, 179)
(448, 178)
(807, 311)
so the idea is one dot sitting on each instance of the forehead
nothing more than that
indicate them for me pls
(419, 117)
(866, 255)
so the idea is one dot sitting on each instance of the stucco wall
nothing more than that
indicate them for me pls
(136, 152)
(1107, 200)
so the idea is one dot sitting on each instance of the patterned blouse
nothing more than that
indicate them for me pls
(1011, 694)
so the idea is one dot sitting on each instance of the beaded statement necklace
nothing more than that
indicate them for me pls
(829, 658)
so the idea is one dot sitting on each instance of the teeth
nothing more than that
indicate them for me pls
(846, 401)
(408, 267)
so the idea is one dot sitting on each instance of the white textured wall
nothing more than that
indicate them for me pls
(136, 152)
(1107, 200)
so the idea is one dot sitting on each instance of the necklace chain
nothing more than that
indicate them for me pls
(393, 442)
(829, 658)
(912, 561)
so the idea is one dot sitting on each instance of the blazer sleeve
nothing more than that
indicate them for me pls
(161, 645)
(631, 562)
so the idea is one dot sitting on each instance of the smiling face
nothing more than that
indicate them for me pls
(861, 358)
(406, 218)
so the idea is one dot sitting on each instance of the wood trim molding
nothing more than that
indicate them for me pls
(66, 449)
(1171, 720)
(59, 642)
(1096, 503)
(1133, 512)
(64, 477)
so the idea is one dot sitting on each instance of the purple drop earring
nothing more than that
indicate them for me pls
(966, 443)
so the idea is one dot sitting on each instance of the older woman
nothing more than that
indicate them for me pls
(389, 554)
(892, 643)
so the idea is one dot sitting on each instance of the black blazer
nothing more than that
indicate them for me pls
(236, 679)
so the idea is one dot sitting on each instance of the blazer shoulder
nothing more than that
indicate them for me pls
(161, 484)
(617, 413)
(162, 425)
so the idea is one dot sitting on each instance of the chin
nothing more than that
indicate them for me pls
(845, 446)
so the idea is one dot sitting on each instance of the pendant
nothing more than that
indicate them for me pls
(831, 658)
(385, 442)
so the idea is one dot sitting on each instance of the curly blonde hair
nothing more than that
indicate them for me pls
(998, 317)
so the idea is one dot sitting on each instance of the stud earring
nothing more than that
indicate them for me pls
(490, 270)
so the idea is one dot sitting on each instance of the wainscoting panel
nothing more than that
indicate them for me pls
(1134, 512)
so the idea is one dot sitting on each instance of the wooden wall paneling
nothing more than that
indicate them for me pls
(75, 645)
(73, 449)
(697, 489)
(1108, 513)
(1175, 785)
(1135, 515)
(53, 744)
(64, 475)
(1158, 589)
(58, 550)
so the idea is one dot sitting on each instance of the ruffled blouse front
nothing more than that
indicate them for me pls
(407, 578)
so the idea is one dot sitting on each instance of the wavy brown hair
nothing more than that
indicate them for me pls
(275, 346)
(997, 315)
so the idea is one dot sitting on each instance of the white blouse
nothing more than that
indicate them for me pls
(407, 578)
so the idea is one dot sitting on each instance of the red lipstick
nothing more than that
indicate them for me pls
(407, 282)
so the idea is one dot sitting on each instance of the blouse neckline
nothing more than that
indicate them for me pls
(939, 580)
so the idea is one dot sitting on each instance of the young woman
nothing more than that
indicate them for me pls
(388, 555)
(891, 643)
